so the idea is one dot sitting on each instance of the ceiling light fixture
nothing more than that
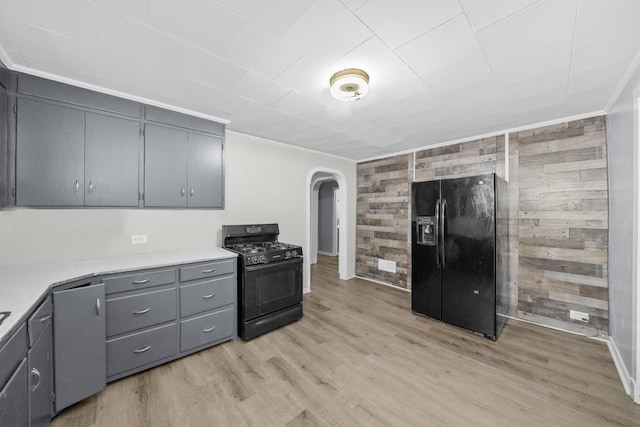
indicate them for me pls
(349, 85)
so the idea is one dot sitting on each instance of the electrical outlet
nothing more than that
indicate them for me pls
(137, 239)
(578, 315)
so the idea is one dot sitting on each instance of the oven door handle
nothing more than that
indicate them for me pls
(286, 263)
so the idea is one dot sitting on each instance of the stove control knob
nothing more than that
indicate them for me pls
(294, 253)
(288, 254)
(263, 258)
(252, 260)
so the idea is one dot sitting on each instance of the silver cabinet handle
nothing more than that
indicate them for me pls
(182, 191)
(35, 374)
(97, 306)
(91, 187)
(77, 187)
(208, 296)
(140, 282)
(44, 318)
(207, 271)
(209, 329)
(142, 350)
(146, 310)
(191, 192)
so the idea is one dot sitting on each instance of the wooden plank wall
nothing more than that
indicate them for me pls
(562, 191)
(460, 160)
(384, 195)
(558, 211)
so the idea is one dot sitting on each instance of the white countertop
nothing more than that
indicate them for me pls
(21, 286)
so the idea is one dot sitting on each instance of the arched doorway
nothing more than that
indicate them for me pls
(316, 178)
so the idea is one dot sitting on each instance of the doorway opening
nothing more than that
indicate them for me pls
(334, 189)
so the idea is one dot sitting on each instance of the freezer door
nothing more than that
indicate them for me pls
(468, 273)
(425, 270)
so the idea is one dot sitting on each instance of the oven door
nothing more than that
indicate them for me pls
(271, 287)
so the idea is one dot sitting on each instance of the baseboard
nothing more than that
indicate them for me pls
(326, 253)
(626, 379)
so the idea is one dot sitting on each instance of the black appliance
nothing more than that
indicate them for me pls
(269, 278)
(460, 253)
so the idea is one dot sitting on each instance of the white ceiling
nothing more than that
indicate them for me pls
(440, 70)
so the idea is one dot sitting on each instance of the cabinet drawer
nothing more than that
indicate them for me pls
(139, 280)
(207, 295)
(139, 311)
(141, 348)
(210, 269)
(206, 329)
(12, 353)
(39, 321)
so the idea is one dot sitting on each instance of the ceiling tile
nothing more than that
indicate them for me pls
(466, 71)
(537, 25)
(487, 12)
(311, 34)
(259, 51)
(206, 24)
(400, 21)
(600, 18)
(305, 76)
(297, 105)
(260, 89)
(275, 16)
(623, 44)
(521, 90)
(27, 40)
(209, 69)
(85, 58)
(607, 74)
(133, 9)
(440, 47)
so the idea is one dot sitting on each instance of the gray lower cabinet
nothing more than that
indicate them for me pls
(79, 346)
(206, 329)
(41, 375)
(69, 157)
(182, 168)
(14, 398)
(4, 148)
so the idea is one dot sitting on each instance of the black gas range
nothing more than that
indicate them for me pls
(269, 278)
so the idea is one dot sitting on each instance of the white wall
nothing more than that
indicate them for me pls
(265, 181)
(622, 197)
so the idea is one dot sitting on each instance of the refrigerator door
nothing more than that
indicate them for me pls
(468, 253)
(425, 243)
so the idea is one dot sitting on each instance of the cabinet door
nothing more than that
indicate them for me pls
(49, 155)
(80, 343)
(165, 167)
(111, 161)
(204, 171)
(4, 162)
(14, 399)
(40, 388)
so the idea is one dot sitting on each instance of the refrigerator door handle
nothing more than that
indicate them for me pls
(442, 230)
(438, 204)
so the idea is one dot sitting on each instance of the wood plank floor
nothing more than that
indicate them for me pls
(360, 358)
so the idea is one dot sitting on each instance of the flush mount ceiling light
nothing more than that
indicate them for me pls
(349, 85)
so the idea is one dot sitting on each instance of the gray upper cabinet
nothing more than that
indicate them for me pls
(69, 157)
(204, 171)
(4, 158)
(49, 155)
(112, 148)
(165, 167)
(79, 343)
(182, 169)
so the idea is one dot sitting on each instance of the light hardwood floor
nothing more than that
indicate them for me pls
(360, 358)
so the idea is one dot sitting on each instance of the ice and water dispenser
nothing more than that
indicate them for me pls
(426, 230)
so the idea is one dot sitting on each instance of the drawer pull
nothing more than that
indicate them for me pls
(146, 310)
(209, 270)
(209, 329)
(208, 296)
(140, 282)
(142, 350)
(44, 318)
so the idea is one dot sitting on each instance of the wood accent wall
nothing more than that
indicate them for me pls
(558, 211)
(459, 160)
(382, 225)
(562, 190)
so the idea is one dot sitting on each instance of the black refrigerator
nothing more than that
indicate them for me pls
(460, 253)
